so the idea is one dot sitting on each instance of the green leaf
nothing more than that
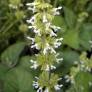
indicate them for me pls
(83, 79)
(89, 9)
(85, 37)
(70, 17)
(59, 21)
(69, 58)
(3, 70)
(25, 64)
(82, 83)
(71, 38)
(11, 55)
(18, 80)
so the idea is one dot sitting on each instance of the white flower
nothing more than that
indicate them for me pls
(57, 43)
(40, 89)
(36, 77)
(60, 39)
(55, 28)
(29, 4)
(35, 84)
(32, 39)
(53, 67)
(47, 68)
(13, 6)
(59, 8)
(32, 9)
(52, 50)
(34, 64)
(58, 60)
(37, 31)
(32, 6)
(67, 77)
(47, 25)
(31, 20)
(46, 90)
(56, 13)
(30, 27)
(57, 55)
(45, 19)
(57, 87)
(88, 69)
(35, 46)
(59, 79)
(90, 83)
(52, 34)
(45, 49)
(56, 10)
(90, 43)
(48, 48)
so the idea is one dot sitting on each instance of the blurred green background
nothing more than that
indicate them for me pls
(76, 29)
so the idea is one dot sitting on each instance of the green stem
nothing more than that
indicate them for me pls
(4, 26)
(3, 18)
(9, 27)
(55, 3)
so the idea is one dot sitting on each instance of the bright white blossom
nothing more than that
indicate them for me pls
(45, 19)
(35, 84)
(48, 48)
(53, 67)
(32, 7)
(52, 34)
(50, 67)
(37, 32)
(58, 60)
(47, 68)
(13, 6)
(56, 10)
(35, 46)
(32, 39)
(34, 64)
(31, 20)
(40, 89)
(57, 43)
(46, 90)
(57, 87)
(55, 28)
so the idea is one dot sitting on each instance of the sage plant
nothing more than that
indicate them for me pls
(46, 41)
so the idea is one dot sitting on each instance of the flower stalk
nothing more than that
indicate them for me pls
(46, 41)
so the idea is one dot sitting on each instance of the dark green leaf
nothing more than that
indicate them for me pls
(18, 80)
(3, 70)
(71, 38)
(86, 36)
(70, 17)
(11, 55)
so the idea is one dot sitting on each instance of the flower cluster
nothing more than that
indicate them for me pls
(46, 41)
(15, 4)
(44, 82)
(85, 63)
